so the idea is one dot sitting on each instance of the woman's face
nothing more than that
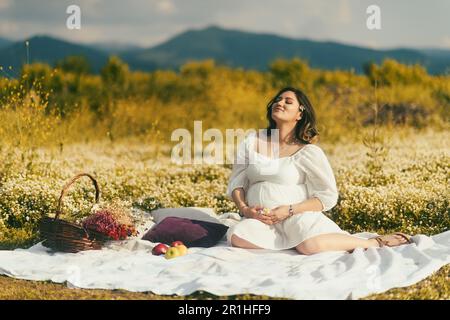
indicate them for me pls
(286, 108)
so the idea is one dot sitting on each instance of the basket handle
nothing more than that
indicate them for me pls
(68, 184)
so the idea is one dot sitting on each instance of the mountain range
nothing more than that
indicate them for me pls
(4, 42)
(234, 48)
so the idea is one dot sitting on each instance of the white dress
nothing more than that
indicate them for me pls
(272, 182)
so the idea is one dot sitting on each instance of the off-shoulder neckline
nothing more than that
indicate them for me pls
(286, 157)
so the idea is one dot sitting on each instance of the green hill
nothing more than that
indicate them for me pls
(4, 42)
(255, 51)
(234, 48)
(49, 50)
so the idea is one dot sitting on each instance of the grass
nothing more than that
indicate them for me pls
(45, 290)
(436, 287)
(414, 181)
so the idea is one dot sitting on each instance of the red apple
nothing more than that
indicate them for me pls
(177, 243)
(159, 249)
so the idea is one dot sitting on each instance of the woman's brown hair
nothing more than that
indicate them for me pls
(305, 129)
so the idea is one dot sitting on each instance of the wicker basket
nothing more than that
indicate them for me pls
(65, 236)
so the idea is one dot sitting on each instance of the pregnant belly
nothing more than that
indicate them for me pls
(271, 195)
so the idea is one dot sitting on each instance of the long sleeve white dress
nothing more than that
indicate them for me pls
(272, 182)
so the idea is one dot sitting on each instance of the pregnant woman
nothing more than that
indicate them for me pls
(281, 169)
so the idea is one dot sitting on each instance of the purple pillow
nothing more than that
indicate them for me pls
(193, 233)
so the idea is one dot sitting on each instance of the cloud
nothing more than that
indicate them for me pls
(371, 43)
(4, 4)
(165, 6)
(446, 42)
(149, 22)
(344, 12)
(9, 27)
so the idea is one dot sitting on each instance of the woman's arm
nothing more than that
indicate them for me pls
(238, 196)
(280, 213)
(311, 204)
(320, 180)
(245, 210)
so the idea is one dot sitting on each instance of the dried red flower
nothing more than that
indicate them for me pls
(104, 222)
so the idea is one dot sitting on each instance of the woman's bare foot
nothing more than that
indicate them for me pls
(392, 240)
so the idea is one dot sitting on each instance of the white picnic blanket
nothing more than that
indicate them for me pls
(225, 270)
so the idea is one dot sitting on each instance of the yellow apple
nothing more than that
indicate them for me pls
(182, 249)
(172, 252)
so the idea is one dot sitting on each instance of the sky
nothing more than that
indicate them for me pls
(404, 23)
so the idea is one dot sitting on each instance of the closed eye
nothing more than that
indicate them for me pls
(288, 100)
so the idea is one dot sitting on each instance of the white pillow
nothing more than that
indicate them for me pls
(195, 213)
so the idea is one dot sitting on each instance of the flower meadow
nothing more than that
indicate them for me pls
(399, 184)
(385, 134)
